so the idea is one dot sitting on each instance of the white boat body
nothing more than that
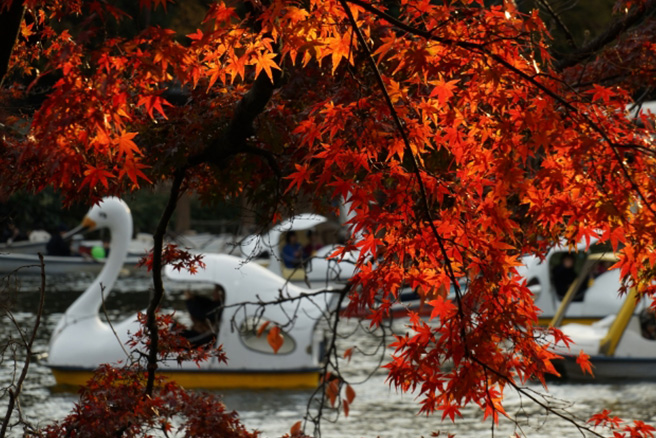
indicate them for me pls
(245, 286)
(620, 346)
(24, 247)
(21, 258)
(86, 341)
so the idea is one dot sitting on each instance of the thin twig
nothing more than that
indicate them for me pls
(15, 394)
(559, 23)
(109, 322)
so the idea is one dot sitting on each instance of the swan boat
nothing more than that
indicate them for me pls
(621, 346)
(318, 271)
(22, 258)
(596, 291)
(29, 264)
(81, 341)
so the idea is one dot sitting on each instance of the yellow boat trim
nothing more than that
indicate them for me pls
(577, 320)
(609, 343)
(210, 379)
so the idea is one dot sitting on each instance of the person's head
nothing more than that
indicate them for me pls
(648, 323)
(568, 261)
(198, 306)
(219, 293)
(291, 237)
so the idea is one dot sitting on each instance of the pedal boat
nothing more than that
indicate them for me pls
(82, 341)
(621, 346)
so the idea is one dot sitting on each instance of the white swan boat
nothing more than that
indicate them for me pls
(21, 258)
(319, 270)
(594, 298)
(621, 346)
(81, 341)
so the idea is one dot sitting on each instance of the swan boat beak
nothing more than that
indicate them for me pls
(86, 225)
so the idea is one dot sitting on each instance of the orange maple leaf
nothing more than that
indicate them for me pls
(275, 339)
(264, 61)
(443, 89)
(94, 175)
(126, 147)
(153, 102)
(296, 429)
(583, 360)
(339, 47)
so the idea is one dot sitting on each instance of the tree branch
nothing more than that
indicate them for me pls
(14, 394)
(559, 22)
(151, 313)
(234, 140)
(614, 31)
(10, 20)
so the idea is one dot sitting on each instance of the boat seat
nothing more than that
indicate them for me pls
(293, 274)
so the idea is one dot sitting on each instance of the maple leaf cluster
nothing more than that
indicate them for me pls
(113, 402)
(179, 259)
(172, 346)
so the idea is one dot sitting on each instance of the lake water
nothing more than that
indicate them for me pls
(376, 411)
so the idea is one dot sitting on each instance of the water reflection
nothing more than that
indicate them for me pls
(376, 411)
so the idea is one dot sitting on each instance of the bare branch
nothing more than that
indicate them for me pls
(10, 20)
(613, 32)
(14, 394)
(559, 22)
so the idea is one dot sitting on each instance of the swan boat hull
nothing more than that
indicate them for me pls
(211, 379)
(620, 347)
(607, 369)
(28, 264)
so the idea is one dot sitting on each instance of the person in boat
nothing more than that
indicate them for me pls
(564, 274)
(13, 234)
(105, 244)
(648, 323)
(313, 245)
(57, 246)
(205, 316)
(215, 311)
(292, 252)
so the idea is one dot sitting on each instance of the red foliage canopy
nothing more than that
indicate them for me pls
(459, 141)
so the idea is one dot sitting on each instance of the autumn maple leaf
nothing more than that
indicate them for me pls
(264, 61)
(583, 360)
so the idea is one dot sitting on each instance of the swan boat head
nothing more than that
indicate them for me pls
(80, 331)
